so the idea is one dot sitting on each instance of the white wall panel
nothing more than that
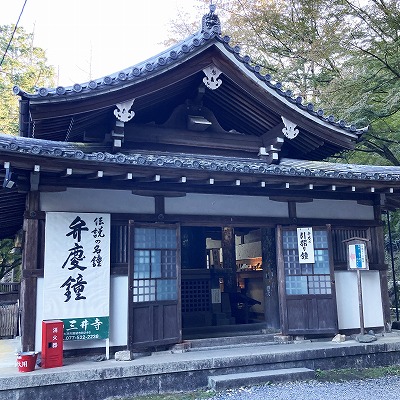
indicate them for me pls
(96, 200)
(210, 204)
(338, 209)
(347, 299)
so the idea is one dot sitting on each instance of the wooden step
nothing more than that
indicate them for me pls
(230, 381)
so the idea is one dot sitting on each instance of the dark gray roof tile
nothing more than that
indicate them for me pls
(209, 33)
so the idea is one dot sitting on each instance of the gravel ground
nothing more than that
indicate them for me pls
(386, 388)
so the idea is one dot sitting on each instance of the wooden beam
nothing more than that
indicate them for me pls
(285, 185)
(274, 133)
(96, 175)
(125, 177)
(66, 173)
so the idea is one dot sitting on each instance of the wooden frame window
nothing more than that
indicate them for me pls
(155, 258)
(305, 279)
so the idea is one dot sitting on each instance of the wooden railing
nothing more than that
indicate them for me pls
(9, 287)
(8, 320)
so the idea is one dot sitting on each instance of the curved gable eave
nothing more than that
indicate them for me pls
(275, 97)
(261, 104)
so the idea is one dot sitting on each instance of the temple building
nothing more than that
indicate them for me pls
(188, 195)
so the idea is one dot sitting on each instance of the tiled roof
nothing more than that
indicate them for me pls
(209, 34)
(79, 152)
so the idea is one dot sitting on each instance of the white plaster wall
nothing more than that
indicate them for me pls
(347, 299)
(340, 209)
(118, 317)
(96, 200)
(210, 204)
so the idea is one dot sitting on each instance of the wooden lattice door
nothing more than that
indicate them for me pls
(154, 286)
(307, 291)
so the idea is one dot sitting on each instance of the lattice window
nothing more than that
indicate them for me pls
(155, 265)
(144, 290)
(195, 295)
(303, 279)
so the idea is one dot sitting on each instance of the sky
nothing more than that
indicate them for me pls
(89, 39)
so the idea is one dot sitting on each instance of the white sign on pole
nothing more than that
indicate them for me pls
(358, 256)
(77, 273)
(305, 243)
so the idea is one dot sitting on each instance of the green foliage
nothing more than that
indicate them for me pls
(24, 65)
(342, 56)
(176, 396)
(367, 90)
(296, 41)
(347, 374)
(10, 257)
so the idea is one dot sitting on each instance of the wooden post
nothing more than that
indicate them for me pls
(360, 302)
(385, 300)
(270, 277)
(229, 259)
(29, 263)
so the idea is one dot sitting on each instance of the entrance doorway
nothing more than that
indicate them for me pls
(307, 288)
(222, 283)
(154, 306)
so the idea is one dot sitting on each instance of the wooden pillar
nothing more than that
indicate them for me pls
(379, 240)
(387, 320)
(270, 273)
(380, 244)
(229, 259)
(29, 264)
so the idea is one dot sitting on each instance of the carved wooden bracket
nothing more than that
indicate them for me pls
(122, 113)
(290, 130)
(211, 79)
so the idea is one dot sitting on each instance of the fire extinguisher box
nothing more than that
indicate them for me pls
(52, 343)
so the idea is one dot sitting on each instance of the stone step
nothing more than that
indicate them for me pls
(231, 381)
(231, 341)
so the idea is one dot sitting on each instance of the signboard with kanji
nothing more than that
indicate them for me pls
(358, 257)
(77, 273)
(305, 243)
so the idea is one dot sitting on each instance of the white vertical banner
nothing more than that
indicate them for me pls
(77, 273)
(305, 243)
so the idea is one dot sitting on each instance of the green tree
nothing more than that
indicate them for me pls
(296, 41)
(367, 90)
(24, 65)
(342, 56)
(10, 257)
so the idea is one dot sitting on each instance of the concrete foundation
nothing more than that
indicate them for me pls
(188, 371)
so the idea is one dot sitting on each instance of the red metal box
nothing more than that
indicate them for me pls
(52, 343)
